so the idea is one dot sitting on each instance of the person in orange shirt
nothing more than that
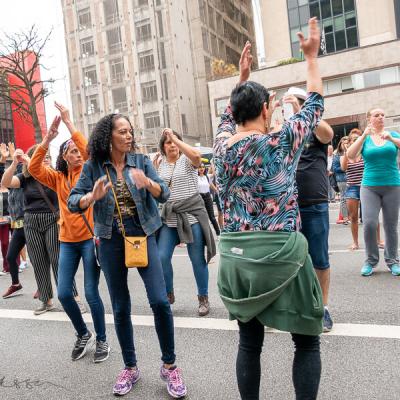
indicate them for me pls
(76, 236)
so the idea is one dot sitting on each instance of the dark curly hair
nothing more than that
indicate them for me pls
(61, 164)
(100, 139)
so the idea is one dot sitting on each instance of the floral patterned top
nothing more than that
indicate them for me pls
(256, 176)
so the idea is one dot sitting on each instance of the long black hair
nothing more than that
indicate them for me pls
(61, 164)
(100, 139)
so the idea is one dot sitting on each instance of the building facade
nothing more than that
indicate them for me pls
(151, 60)
(359, 58)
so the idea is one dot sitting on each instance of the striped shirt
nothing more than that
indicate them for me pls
(182, 179)
(355, 172)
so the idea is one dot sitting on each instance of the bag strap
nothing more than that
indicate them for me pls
(45, 197)
(116, 203)
(85, 220)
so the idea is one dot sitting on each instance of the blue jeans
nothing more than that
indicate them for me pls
(112, 260)
(168, 238)
(315, 227)
(70, 255)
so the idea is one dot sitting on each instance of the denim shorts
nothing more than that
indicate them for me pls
(315, 227)
(352, 192)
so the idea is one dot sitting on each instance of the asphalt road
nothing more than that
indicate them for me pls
(360, 357)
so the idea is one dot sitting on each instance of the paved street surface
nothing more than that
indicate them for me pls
(360, 356)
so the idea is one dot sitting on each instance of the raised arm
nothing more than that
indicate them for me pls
(78, 138)
(190, 152)
(9, 180)
(354, 150)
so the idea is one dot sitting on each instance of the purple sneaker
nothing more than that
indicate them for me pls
(175, 385)
(125, 381)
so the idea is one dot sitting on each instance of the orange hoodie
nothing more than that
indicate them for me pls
(72, 226)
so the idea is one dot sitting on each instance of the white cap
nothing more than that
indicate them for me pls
(297, 92)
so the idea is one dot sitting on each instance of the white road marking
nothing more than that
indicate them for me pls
(217, 324)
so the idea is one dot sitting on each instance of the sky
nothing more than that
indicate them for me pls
(17, 15)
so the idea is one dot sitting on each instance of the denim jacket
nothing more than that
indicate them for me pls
(340, 175)
(104, 209)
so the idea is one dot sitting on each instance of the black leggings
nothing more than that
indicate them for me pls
(210, 210)
(306, 371)
(17, 243)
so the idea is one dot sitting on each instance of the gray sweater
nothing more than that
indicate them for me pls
(194, 205)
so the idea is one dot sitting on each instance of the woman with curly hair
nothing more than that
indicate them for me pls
(130, 209)
(40, 225)
(76, 238)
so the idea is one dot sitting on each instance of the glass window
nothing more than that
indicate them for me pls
(184, 123)
(87, 47)
(84, 19)
(328, 25)
(165, 83)
(149, 92)
(314, 10)
(211, 16)
(143, 30)
(304, 12)
(143, 3)
(146, 61)
(352, 38)
(205, 39)
(371, 78)
(220, 105)
(334, 86)
(89, 76)
(338, 23)
(110, 11)
(351, 19)
(337, 7)
(117, 70)
(114, 40)
(162, 55)
(340, 39)
(325, 9)
(330, 43)
(202, 10)
(294, 17)
(119, 100)
(92, 104)
(348, 5)
(347, 84)
(296, 50)
(389, 75)
(160, 24)
(152, 120)
(292, 3)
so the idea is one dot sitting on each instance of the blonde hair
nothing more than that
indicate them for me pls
(369, 112)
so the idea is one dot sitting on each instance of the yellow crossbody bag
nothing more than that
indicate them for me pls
(135, 246)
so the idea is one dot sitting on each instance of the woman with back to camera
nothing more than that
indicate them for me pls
(380, 189)
(266, 277)
(124, 187)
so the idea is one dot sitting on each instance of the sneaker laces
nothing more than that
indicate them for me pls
(124, 375)
(101, 346)
(175, 377)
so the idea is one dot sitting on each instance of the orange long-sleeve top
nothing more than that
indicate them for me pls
(72, 226)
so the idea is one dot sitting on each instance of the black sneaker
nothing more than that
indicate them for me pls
(102, 351)
(82, 344)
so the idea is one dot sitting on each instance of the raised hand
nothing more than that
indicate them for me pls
(310, 46)
(386, 135)
(18, 156)
(64, 112)
(245, 62)
(139, 178)
(11, 149)
(293, 101)
(100, 188)
(53, 131)
(4, 153)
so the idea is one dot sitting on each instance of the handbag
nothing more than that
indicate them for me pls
(135, 246)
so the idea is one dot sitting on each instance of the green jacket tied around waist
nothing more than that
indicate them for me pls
(270, 276)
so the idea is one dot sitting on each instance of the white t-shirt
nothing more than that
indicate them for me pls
(182, 179)
(204, 184)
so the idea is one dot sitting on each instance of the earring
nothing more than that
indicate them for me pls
(110, 147)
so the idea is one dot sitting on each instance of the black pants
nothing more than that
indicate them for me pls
(17, 243)
(210, 210)
(306, 371)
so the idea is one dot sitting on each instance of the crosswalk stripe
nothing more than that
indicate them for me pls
(216, 324)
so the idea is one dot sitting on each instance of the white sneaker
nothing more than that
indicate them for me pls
(3, 273)
(23, 265)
